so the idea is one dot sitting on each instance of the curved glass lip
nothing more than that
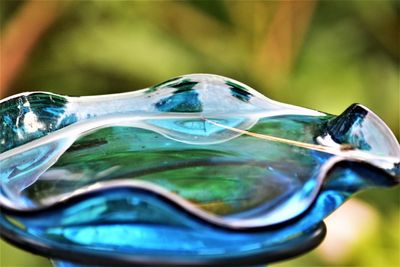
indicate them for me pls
(81, 128)
(234, 224)
(382, 124)
(230, 223)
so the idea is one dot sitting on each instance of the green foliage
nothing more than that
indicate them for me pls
(12, 257)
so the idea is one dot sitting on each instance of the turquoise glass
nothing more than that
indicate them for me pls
(199, 170)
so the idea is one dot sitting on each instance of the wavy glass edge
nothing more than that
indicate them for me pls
(305, 232)
(81, 128)
(332, 185)
(239, 224)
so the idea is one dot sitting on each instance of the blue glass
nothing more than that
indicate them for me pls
(198, 170)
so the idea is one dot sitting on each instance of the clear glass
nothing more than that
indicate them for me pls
(201, 168)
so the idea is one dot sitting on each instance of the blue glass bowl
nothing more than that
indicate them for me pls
(199, 170)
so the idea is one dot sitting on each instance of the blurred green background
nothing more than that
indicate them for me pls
(323, 55)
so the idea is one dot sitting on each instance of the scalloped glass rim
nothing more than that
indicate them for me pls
(227, 108)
